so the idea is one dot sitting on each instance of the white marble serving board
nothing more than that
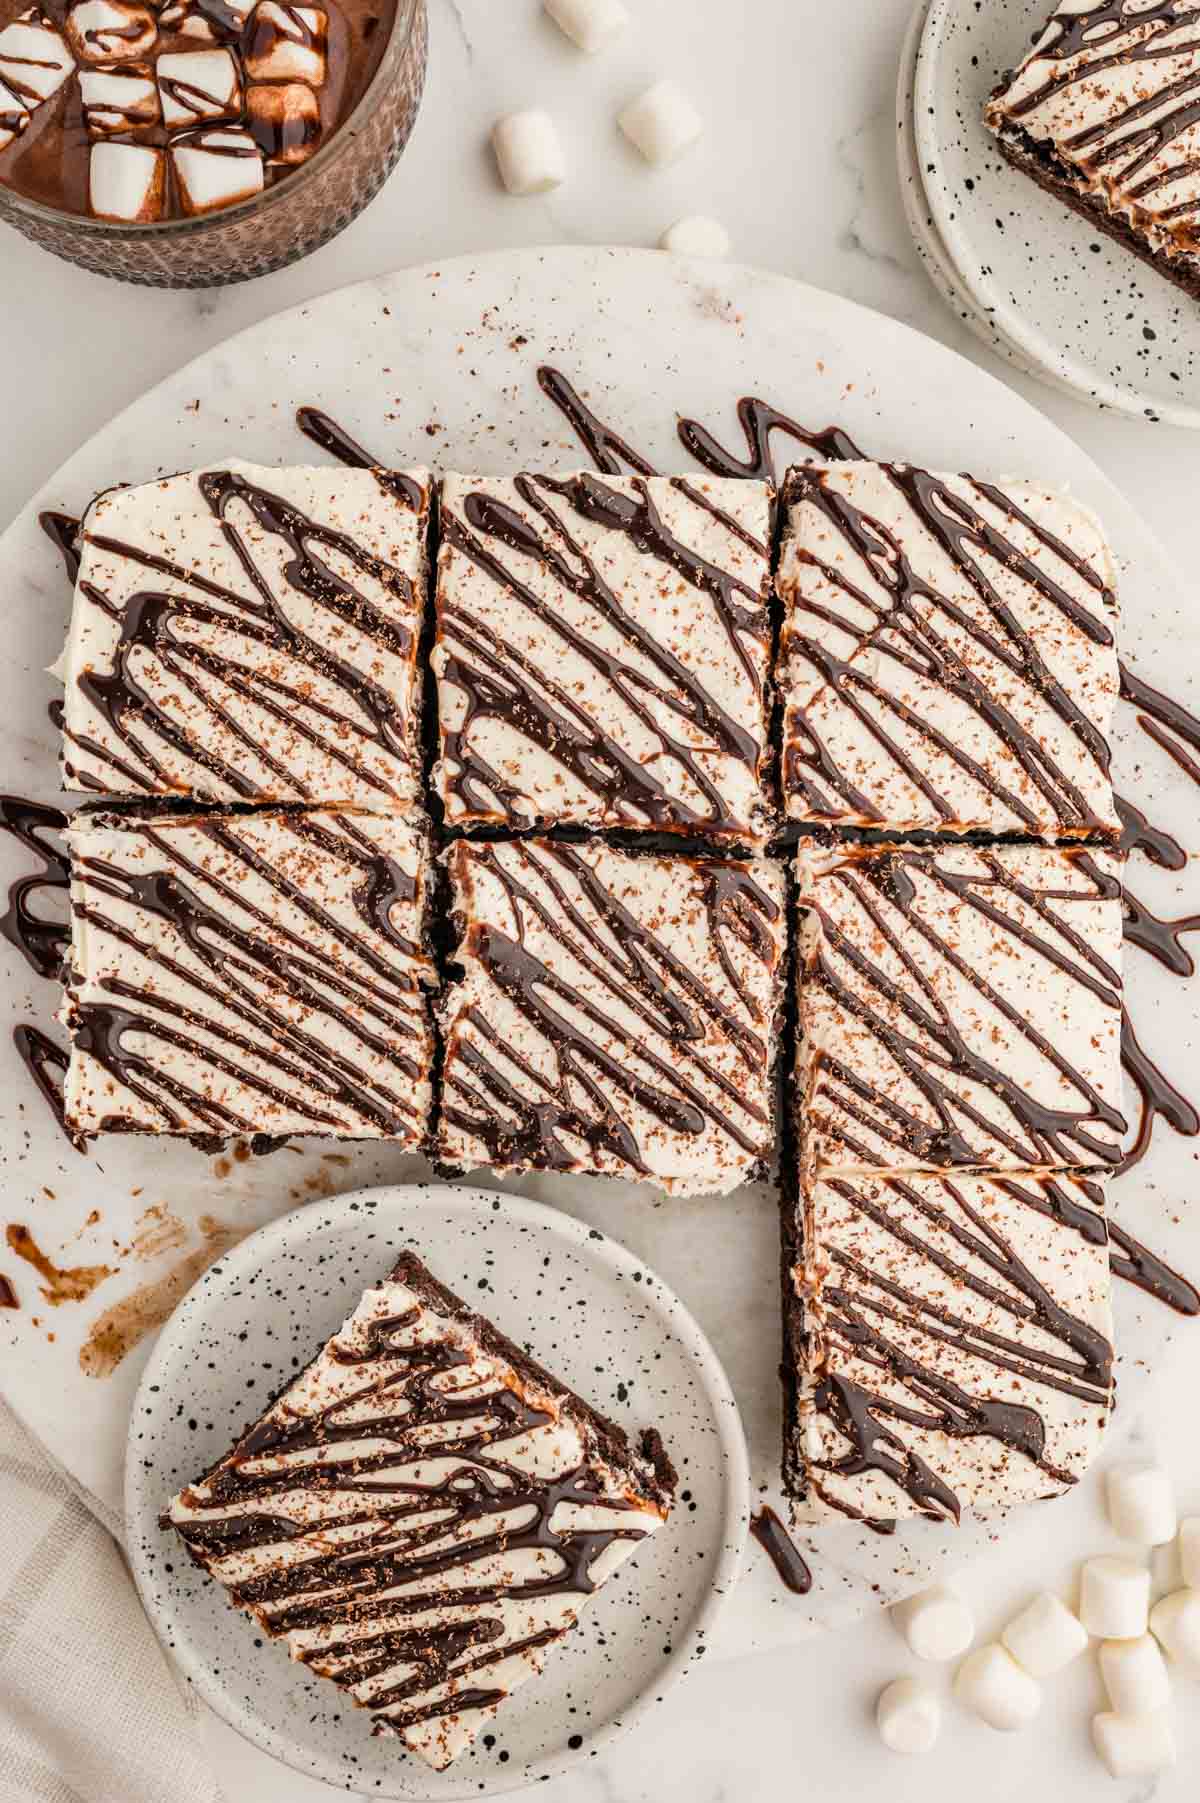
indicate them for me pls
(439, 365)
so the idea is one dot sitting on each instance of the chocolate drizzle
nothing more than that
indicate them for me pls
(782, 1551)
(333, 438)
(41, 942)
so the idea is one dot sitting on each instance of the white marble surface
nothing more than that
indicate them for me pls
(798, 159)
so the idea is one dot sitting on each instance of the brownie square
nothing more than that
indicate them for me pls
(256, 974)
(614, 1013)
(602, 654)
(948, 659)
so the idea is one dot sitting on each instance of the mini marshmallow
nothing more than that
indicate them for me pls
(1141, 1504)
(661, 123)
(111, 31)
(1135, 1746)
(34, 60)
(116, 101)
(1175, 1624)
(125, 183)
(696, 237)
(198, 84)
(936, 1623)
(287, 43)
(1114, 1598)
(993, 1686)
(14, 116)
(284, 120)
(1189, 1551)
(589, 23)
(217, 168)
(1135, 1675)
(186, 18)
(909, 1716)
(528, 153)
(1045, 1636)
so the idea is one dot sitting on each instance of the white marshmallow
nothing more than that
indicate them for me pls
(696, 237)
(198, 84)
(589, 23)
(184, 18)
(34, 60)
(216, 169)
(125, 183)
(111, 31)
(1135, 1675)
(993, 1686)
(14, 116)
(1135, 1746)
(287, 43)
(115, 102)
(1175, 1624)
(661, 123)
(1189, 1551)
(1045, 1636)
(528, 153)
(1141, 1504)
(936, 1623)
(1114, 1598)
(285, 120)
(909, 1716)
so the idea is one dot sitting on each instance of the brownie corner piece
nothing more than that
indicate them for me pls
(255, 974)
(428, 1570)
(602, 651)
(615, 1012)
(948, 655)
(245, 634)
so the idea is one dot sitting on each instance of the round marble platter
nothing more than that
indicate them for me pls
(440, 364)
(581, 1305)
(1061, 297)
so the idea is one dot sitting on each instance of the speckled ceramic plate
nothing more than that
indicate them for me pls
(582, 1305)
(1075, 307)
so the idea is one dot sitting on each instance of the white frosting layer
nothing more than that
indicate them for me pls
(944, 672)
(568, 640)
(960, 1007)
(445, 1547)
(249, 975)
(260, 687)
(616, 1014)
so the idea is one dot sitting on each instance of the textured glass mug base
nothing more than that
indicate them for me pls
(280, 226)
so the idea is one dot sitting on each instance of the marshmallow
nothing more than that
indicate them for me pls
(528, 153)
(117, 101)
(34, 60)
(217, 168)
(1114, 1598)
(1135, 1746)
(287, 43)
(1135, 1675)
(111, 31)
(909, 1716)
(185, 17)
(1045, 1636)
(198, 84)
(1141, 1504)
(1189, 1551)
(125, 183)
(661, 123)
(993, 1686)
(14, 116)
(589, 23)
(936, 1623)
(1175, 1624)
(284, 119)
(696, 237)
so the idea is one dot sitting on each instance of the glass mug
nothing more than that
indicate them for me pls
(278, 226)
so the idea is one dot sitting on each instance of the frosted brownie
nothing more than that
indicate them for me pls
(423, 1513)
(948, 656)
(247, 634)
(614, 1013)
(263, 974)
(959, 1007)
(1101, 112)
(602, 651)
(949, 1343)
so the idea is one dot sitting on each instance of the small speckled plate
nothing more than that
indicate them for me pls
(580, 1304)
(1055, 294)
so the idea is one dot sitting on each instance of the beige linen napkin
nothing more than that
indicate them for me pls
(90, 1711)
